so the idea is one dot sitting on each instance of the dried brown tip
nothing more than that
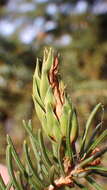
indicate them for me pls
(57, 90)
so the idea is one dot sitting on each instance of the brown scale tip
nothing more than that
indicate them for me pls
(57, 90)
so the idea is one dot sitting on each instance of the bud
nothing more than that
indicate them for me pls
(51, 103)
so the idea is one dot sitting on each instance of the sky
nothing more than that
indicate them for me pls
(27, 31)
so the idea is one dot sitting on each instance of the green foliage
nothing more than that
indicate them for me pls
(84, 72)
(63, 165)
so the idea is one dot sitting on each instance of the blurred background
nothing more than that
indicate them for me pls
(78, 30)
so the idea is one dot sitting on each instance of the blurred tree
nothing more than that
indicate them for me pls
(3, 2)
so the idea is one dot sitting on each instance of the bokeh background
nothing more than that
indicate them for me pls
(78, 30)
